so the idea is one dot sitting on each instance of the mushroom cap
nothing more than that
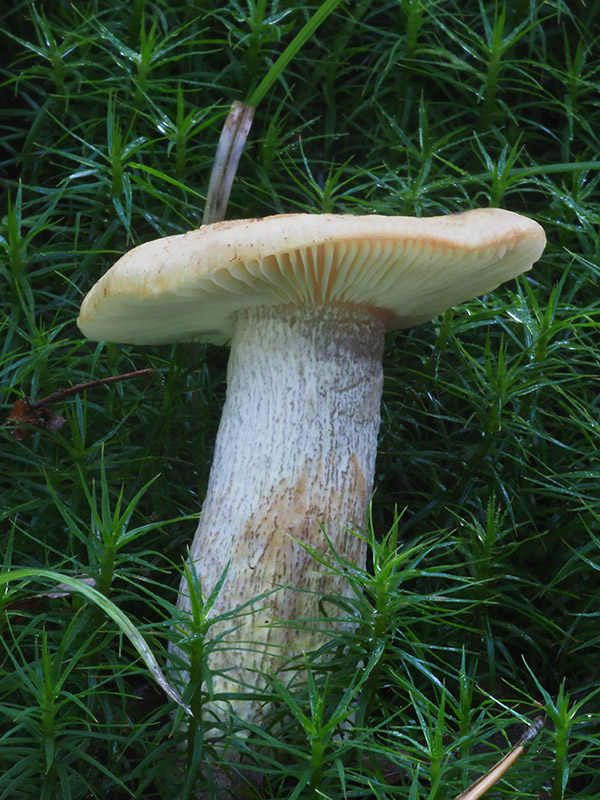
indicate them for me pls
(408, 269)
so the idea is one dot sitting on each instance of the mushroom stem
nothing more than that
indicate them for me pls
(295, 455)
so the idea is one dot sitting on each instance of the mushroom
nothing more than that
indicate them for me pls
(304, 301)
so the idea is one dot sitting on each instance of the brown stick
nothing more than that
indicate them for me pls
(497, 771)
(81, 387)
(26, 415)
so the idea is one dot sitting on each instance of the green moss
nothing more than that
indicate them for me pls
(481, 599)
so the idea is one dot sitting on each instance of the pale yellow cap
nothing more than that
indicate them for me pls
(188, 287)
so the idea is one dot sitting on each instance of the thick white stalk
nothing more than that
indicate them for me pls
(295, 452)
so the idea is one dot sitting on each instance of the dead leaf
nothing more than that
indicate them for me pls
(25, 416)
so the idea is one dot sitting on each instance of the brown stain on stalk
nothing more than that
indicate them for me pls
(267, 557)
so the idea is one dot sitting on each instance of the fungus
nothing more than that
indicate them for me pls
(304, 302)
